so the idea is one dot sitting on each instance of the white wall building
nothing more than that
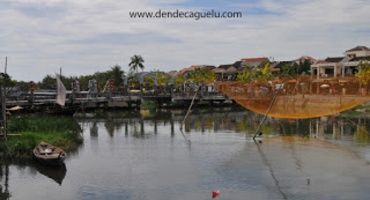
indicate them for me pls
(341, 66)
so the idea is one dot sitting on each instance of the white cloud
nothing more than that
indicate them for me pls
(41, 35)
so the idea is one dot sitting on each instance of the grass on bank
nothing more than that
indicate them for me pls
(63, 132)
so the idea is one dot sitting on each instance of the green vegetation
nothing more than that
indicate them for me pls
(294, 68)
(361, 135)
(201, 76)
(262, 73)
(180, 80)
(364, 73)
(160, 77)
(5, 79)
(148, 105)
(63, 132)
(115, 73)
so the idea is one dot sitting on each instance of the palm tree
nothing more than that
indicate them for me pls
(136, 63)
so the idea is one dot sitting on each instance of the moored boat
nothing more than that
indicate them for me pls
(48, 154)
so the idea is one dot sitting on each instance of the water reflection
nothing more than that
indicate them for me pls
(127, 156)
(4, 186)
(233, 120)
(55, 173)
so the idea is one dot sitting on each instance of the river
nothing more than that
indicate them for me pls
(128, 157)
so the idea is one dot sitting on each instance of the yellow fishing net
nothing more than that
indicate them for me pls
(298, 98)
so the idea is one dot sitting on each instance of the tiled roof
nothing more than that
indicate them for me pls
(334, 59)
(226, 66)
(361, 59)
(252, 60)
(309, 58)
(282, 63)
(321, 62)
(359, 48)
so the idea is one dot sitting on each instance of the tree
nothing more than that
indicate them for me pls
(251, 74)
(246, 76)
(288, 69)
(5, 79)
(203, 76)
(180, 80)
(364, 73)
(294, 68)
(116, 74)
(136, 63)
(48, 82)
(304, 67)
(265, 72)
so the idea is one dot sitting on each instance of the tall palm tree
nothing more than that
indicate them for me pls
(136, 63)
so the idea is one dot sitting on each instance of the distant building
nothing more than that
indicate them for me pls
(341, 66)
(278, 65)
(228, 71)
(254, 62)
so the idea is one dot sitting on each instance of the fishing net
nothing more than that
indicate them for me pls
(298, 98)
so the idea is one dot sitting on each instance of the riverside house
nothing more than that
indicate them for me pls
(229, 72)
(341, 66)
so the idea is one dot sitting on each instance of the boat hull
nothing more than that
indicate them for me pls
(49, 155)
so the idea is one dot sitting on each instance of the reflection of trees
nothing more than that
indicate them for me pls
(94, 130)
(234, 120)
(109, 126)
(112, 125)
(362, 134)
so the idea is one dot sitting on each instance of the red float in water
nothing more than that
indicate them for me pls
(215, 193)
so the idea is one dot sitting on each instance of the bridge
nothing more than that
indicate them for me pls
(41, 100)
(296, 98)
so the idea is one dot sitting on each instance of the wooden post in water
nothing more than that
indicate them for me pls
(172, 127)
(3, 111)
(6, 64)
(3, 101)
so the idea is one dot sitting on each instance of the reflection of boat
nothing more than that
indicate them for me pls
(48, 154)
(55, 173)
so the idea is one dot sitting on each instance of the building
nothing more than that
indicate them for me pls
(278, 66)
(254, 62)
(341, 66)
(228, 72)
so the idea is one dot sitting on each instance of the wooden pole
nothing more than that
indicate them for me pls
(3, 110)
(3, 100)
(6, 64)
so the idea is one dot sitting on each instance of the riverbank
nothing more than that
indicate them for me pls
(26, 131)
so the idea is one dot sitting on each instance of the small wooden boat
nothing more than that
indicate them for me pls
(48, 154)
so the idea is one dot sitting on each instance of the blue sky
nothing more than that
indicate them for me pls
(84, 36)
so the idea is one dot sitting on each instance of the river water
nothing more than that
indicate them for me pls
(125, 156)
